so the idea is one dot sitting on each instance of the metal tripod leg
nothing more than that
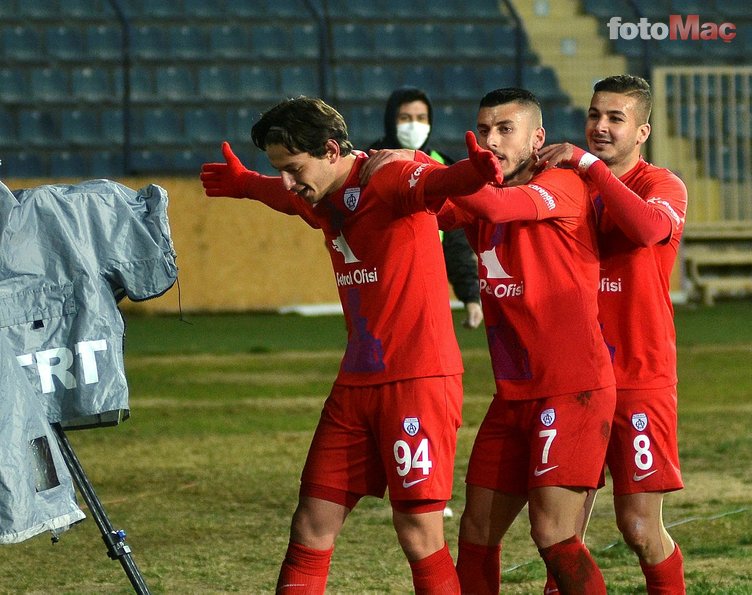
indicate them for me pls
(117, 549)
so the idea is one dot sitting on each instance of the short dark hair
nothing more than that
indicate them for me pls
(302, 125)
(512, 95)
(632, 86)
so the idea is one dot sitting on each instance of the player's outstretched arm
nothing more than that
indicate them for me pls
(233, 179)
(643, 222)
(466, 176)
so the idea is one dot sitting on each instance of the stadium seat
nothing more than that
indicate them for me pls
(394, 40)
(87, 9)
(151, 161)
(204, 125)
(542, 81)
(199, 9)
(106, 164)
(359, 9)
(300, 80)
(142, 83)
(188, 41)
(565, 123)
(432, 40)
(365, 125)
(14, 85)
(286, 9)
(353, 40)
(149, 42)
(22, 43)
(104, 42)
(189, 161)
(503, 41)
(231, 41)
(305, 41)
(428, 78)
(68, 164)
(23, 165)
(471, 41)
(270, 41)
(38, 10)
(462, 82)
(161, 9)
(38, 128)
(378, 81)
(65, 43)
(50, 85)
(8, 10)
(159, 126)
(112, 126)
(219, 82)
(259, 82)
(347, 82)
(81, 127)
(92, 84)
(655, 10)
(176, 83)
(498, 76)
(450, 125)
(605, 9)
(8, 137)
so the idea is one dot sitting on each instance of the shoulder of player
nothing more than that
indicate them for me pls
(652, 175)
(559, 179)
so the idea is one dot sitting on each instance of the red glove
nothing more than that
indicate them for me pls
(580, 159)
(484, 161)
(227, 179)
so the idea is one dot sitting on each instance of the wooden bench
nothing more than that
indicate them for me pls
(718, 269)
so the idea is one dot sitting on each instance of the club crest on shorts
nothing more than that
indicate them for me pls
(547, 417)
(411, 425)
(352, 198)
(639, 421)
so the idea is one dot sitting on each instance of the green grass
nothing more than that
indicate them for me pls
(204, 476)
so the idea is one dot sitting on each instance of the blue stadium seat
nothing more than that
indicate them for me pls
(205, 125)
(23, 43)
(542, 81)
(38, 128)
(151, 161)
(81, 127)
(497, 77)
(188, 41)
(428, 78)
(655, 10)
(161, 9)
(605, 9)
(87, 9)
(305, 41)
(159, 126)
(65, 43)
(39, 10)
(8, 10)
(106, 164)
(92, 84)
(390, 40)
(503, 40)
(23, 165)
(287, 9)
(104, 42)
(565, 123)
(365, 125)
(176, 83)
(471, 41)
(352, 40)
(14, 85)
(433, 40)
(112, 126)
(300, 80)
(462, 82)
(203, 9)
(142, 83)
(189, 161)
(270, 41)
(360, 9)
(347, 82)
(450, 125)
(737, 9)
(68, 164)
(8, 136)
(50, 85)
(378, 81)
(219, 82)
(149, 42)
(259, 82)
(231, 41)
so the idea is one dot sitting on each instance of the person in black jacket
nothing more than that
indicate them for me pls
(407, 125)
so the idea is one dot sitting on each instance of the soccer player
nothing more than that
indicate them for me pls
(544, 437)
(408, 119)
(392, 415)
(640, 229)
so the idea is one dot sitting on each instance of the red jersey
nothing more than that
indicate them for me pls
(539, 288)
(389, 268)
(635, 306)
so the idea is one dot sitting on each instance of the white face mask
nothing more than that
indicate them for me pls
(412, 135)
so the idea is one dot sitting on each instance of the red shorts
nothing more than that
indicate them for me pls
(643, 454)
(401, 434)
(554, 441)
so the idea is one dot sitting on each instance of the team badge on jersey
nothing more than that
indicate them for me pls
(640, 421)
(352, 198)
(548, 417)
(411, 425)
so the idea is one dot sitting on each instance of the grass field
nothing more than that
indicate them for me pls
(204, 476)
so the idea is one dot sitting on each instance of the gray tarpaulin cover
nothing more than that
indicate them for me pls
(68, 254)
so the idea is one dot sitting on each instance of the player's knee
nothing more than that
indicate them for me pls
(637, 532)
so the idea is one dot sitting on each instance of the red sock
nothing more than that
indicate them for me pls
(304, 570)
(667, 577)
(550, 588)
(435, 575)
(573, 568)
(479, 568)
